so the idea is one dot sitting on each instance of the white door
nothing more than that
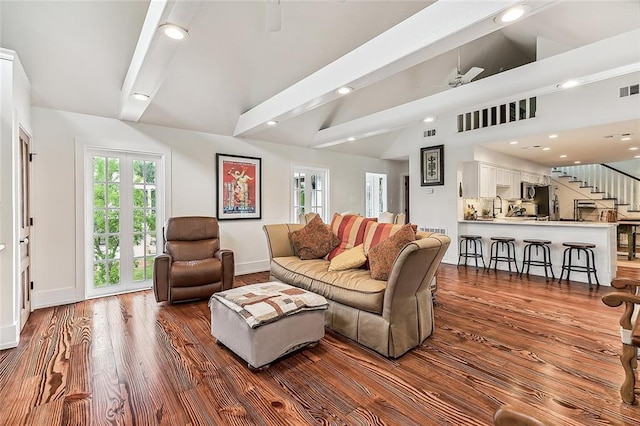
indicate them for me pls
(310, 192)
(123, 197)
(25, 228)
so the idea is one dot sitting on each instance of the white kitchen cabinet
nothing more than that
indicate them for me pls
(514, 188)
(503, 177)
(478, 180)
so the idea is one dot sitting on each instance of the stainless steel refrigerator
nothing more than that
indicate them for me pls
(547, 202)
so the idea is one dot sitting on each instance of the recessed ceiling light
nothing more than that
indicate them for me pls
(173, 31)
(140, 96)
(625, 138)
(344, 90)
(636, 156)
(576, 162)
(271, 123)
(429, 119)
(633, 148)
(563, 156)
(546, 148)
(513, 143)
(512, 14)
(351, 139)
(569, 84)
(553, 136)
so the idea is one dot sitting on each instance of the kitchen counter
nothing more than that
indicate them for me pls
(602, 234)
(533, 222)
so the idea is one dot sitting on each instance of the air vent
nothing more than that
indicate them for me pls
(498, 114)
(434, 229)
(428, 133)
(634, 89)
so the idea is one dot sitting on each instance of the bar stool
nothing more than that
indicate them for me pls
(546, 256)
(567, 260)
(467, 242)
(500, 244)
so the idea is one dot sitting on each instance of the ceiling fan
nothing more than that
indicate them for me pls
(458, 79)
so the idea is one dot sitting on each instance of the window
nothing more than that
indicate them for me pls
(375, 194)
(121, 197)
(310, 192)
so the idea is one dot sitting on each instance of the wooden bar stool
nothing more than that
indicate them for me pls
(590, 260)
(466, 243)
(545, 262)
(499, 245)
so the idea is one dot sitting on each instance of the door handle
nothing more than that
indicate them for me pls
(24, 241)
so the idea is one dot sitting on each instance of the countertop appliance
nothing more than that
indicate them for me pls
(527, 191)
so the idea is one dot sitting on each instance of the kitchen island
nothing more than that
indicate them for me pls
(602, 234)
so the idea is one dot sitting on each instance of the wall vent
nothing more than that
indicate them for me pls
(499, 114)
(428, 133)
(634, 89)
(434, 229)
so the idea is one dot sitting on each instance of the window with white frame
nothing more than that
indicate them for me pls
(375, 194)
(310, 192)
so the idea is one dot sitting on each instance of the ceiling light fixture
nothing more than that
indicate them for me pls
(513, 143)
(625, 138)
(174, 32)
(553, 136)
(345, 90)
(140, 96)
(636, 156)
(351, 139)
(633, 148)
(546, 148)
(429, 119)
(563, 156)
(576, 162)
(512, 14)
(569, 84)
(271, 123)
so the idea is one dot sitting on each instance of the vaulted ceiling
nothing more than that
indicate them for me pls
(231, 75)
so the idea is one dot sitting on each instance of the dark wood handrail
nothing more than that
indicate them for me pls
(620, 171)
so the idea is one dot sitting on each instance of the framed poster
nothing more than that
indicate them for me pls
(432, 165)
(239, 187)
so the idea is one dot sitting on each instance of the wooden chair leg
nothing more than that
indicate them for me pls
(628, 358)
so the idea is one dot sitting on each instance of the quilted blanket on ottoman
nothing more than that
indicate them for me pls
(264, 303)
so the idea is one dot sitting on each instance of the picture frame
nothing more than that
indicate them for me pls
(432, 165)
(239, 187)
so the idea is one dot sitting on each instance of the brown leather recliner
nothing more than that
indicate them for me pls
(192, 266)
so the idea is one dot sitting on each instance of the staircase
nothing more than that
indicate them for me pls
(605, 186)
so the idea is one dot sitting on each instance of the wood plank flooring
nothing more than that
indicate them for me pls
(499, 339)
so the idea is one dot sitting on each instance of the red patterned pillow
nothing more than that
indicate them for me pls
(350, 232)
(313, 241)
(377, 232)
(382, 256)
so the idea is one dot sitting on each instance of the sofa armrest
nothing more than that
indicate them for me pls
(161, 285)
(414, 269)
(227, 260)
(278, 239)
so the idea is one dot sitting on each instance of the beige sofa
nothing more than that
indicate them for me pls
(389, 317)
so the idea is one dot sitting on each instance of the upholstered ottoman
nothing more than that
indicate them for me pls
(263, 322)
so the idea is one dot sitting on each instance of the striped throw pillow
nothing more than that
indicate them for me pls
(377, 232)
(350, 230)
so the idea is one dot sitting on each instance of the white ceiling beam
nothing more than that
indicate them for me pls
(438, 28)
(154, 53)
(594, 62)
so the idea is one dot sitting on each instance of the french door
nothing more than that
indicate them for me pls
(310, 192)
(25, 228)
(123, 195)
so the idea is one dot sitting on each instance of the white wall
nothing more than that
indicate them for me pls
(15, 104)
(192, 185)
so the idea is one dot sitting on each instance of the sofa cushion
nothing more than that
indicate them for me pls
(349, 259)
(313, 241)
(353, 287)
(350, 231)
(382, 256)
(376, 232)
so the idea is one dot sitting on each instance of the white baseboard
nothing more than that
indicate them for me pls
(9, 336)
(45, 299)
(251, 267)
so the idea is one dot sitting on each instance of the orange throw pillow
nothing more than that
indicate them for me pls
(313, 241)
(382, 256)
(350, 232)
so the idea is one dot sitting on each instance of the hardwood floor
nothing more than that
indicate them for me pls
(498, 340)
